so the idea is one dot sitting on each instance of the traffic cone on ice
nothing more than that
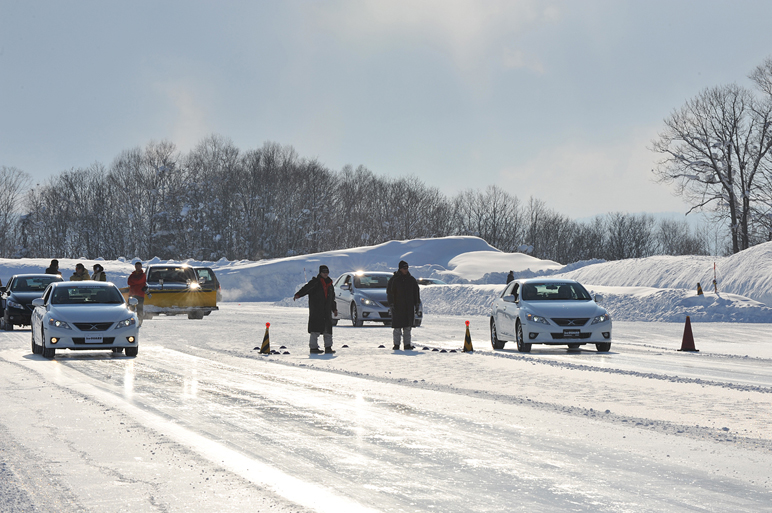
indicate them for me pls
(699, 289)
(266, 347)
(687, 344)
(468, 340)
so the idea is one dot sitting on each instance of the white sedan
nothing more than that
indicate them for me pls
(549, 311)
(83, 315)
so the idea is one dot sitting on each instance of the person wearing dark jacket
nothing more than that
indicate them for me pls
(404, 297)
(99, 273)
(53, 268)
(510, 277)
(321, 307)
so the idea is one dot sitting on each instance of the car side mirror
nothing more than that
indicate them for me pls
(345, 286)
(132, 301)
(598, 298)
(509, 299)
(38, 301)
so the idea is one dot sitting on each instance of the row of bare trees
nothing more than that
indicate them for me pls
(220, 202)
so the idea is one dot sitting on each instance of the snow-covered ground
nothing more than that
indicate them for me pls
(200, 422)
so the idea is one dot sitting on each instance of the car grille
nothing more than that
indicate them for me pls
(571, 321)
(93, 326)
(82, 340)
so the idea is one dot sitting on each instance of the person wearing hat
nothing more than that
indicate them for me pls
(321, 307)
(53, 268)
(80, 274)
(99, 273)
(403, 297)
(510, 277)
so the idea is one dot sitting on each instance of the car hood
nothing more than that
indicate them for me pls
(25, 298)
(565, 308)
(374, 294)
(90, 313)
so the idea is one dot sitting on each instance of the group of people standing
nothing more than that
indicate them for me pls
(403, 299)
(80, 274)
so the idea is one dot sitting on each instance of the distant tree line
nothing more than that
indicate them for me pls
(220, 202)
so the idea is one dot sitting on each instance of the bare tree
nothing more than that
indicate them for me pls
(13, 183)
(716, 149)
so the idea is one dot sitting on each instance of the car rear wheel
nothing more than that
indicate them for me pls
(495, 342)
(522, 346)
(603, 347)
(355, 320)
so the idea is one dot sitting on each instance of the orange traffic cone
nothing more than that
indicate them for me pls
(687, 344)
(266, 347)
(468, 340)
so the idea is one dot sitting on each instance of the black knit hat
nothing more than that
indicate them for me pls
(323, 269)
(403, 264)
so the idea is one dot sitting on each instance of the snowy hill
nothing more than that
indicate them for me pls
(650, 289)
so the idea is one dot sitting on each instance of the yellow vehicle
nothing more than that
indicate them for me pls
(174, 290)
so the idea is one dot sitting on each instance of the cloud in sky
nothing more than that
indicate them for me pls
(557, 99)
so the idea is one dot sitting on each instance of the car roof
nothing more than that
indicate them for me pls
(372, 273)
(546, 280)
(84, 283)
(34, 275)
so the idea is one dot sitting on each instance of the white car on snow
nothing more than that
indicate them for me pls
(549, 311)
(84, 315)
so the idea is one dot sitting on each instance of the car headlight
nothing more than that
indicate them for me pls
(126, 323)
(14, 304)
(367, 301)
(194, 285)
(601, 318)
(537, 319)
(56, 323)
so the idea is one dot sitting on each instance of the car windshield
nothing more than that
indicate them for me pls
(171, 274)
(32, 284)
(86, 295)
(371, 281)
(554, 292)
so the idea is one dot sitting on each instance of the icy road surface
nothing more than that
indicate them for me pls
(199, 421)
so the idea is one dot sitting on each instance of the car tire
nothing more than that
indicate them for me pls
(47, 352)
(574, 346)
(35, 347)
(495, 342)
(132, 351)
(355, 320)
(522, 345)
(195, 315)
(603, 347)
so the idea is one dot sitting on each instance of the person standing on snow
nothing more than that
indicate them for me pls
(510, 277)
(99, 273)
(321, 307)
(403, 297)
(80, 274)
(137, 285)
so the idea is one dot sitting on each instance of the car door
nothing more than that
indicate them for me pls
(343, 295)
(504, 311)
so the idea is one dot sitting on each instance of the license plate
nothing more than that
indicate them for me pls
(93, 339)
(570, 333)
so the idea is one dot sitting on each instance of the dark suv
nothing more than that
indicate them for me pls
(17, 298)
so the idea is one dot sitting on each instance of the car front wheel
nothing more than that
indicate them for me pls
(522, 346)
(355, 320)
(603, 347)
(495, 342)
(35, 347)
(132, 351)
(47, 352)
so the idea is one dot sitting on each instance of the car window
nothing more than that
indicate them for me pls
(175, 274)
(369, 281)
(206, 274)
(85, 295)
(554, 292)
(32, 284)
(508, 289)
(339, 281)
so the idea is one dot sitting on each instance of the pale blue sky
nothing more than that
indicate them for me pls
(552, 99)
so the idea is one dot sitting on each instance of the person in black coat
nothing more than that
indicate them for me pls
(321, 307)
(510, 277)
(53, 268)
(404, 297)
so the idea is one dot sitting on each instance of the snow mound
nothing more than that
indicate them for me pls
(747, 273)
